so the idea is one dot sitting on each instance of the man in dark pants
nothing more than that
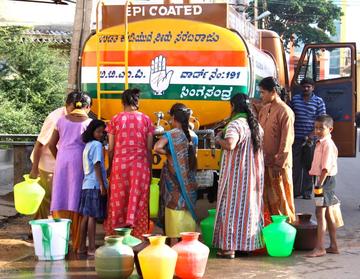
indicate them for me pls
(306, 106)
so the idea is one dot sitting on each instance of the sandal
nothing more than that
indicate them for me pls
(91, 253)
(226, 254)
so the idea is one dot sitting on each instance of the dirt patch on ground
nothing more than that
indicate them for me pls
(14, 250)
(14, 242)
(15, 228)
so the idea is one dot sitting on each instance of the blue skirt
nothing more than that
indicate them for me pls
(93, 204)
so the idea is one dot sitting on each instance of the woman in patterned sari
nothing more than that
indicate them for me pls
(239, 214)
(177, 181)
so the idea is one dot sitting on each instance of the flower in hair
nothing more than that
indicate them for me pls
(78, 104)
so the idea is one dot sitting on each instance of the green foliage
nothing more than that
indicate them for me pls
(33, 81)
(16, 121)
(311, 21)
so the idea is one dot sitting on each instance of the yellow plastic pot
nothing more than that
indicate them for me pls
(28, 195)
(157, 261)
(154, 197)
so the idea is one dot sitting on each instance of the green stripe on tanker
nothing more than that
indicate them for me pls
(173, 92)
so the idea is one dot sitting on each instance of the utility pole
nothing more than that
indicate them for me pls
(264, 21)
(81, 31)
(256, 13)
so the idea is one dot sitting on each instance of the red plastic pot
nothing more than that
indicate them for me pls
(192, 256)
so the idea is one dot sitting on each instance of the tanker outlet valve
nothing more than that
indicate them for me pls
(158, 128)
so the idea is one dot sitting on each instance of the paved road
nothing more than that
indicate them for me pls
(345, 265)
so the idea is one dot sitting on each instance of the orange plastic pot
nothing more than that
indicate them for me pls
(192, 256)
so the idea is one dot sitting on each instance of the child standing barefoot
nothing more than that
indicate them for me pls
(324, 168)
(93, 194)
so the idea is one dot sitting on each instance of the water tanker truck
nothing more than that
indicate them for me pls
(201, 55)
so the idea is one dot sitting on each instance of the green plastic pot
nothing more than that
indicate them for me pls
(279, 237)
(154, 197)
(114, 259)
(207, 228)
(128, 238)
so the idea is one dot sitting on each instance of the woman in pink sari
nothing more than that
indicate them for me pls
(130, 142)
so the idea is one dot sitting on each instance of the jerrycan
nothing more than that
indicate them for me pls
(154, 197)
(28, 195)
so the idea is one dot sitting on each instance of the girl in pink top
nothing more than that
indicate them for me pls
(324, 168)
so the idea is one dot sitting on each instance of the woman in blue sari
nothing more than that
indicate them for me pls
(178, 176)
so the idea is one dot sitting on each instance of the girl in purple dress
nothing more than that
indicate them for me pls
(67, 147)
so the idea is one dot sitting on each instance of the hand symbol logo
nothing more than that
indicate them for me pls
(159, 77)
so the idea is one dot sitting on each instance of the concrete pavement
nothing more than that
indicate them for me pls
(345, 265)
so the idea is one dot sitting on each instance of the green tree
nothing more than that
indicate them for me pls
(15, 120)
(33, 80)
(311, 21)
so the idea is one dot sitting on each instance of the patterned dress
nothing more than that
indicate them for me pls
(130, 174)
(178, 202)
(239, 218)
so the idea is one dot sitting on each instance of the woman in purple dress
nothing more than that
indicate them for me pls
(67, 147)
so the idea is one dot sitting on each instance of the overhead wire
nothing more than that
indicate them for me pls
(315, 5)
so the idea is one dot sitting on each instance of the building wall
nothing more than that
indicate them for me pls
(33, 14)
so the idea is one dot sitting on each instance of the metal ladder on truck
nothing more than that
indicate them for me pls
(101, 62)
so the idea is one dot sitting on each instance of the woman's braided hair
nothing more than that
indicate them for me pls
(241, 103)
(182, 115)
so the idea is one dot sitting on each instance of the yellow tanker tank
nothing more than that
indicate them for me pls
(169, 60)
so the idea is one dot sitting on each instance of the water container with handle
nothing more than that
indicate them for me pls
(51, 238)
(28, 195)
(154, 197)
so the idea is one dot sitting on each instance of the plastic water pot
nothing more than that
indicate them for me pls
(28, 195)
(51, 238)
(279, 237)
(192, 256)
(207, 228)
(157, 261)
(128, 239)
(114, 259)
(154, 197)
